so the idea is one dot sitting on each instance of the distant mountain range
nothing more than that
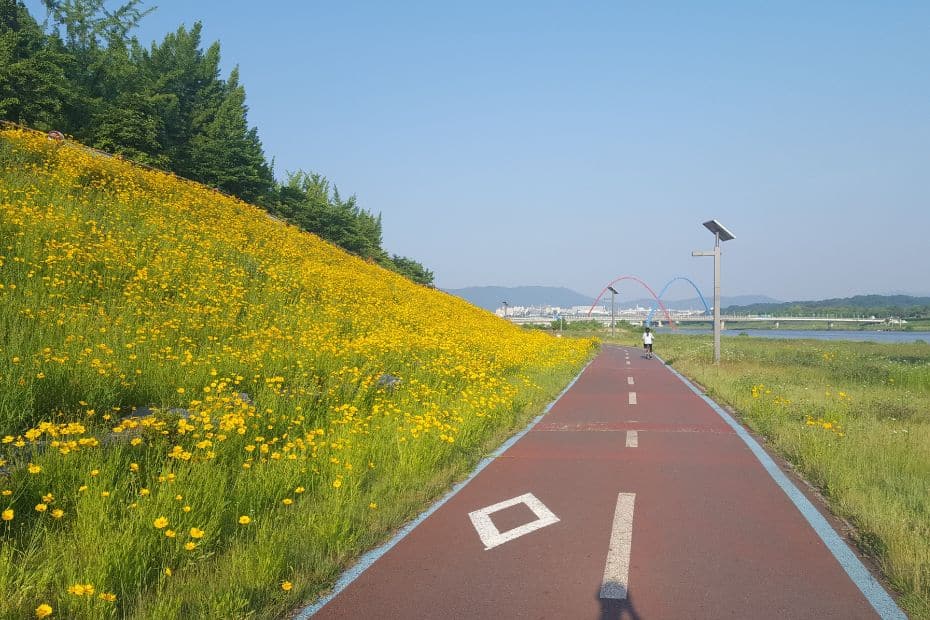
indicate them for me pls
(693, 303)
(492, 297)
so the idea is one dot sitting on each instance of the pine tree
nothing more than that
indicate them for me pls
(126, 120)
(186, 90)
(227, 153)
(411, 269)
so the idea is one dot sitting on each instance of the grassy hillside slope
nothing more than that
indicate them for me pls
(306, 401)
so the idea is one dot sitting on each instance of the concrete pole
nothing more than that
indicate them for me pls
(717, 298)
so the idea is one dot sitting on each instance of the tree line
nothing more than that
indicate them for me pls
(881, 306)
(84, 73)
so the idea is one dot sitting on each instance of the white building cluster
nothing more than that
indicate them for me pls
(581, 312)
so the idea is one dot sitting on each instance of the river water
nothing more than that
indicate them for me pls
(817, 334)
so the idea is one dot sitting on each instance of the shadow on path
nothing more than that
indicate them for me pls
(617, 608)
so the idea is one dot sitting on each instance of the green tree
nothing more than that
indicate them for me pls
(88, 25)
(33, 84)
(112, 105)
(130, 126)
(227, 153)
(309, 201)
(126, 117)
(186, 90)
(411, 269)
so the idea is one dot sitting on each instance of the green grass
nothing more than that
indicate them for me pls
(853, 418)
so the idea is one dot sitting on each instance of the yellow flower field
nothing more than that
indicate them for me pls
(216, 411)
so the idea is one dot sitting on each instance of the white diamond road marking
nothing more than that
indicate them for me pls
(629, 380)
(632, 398)
(492, 537)
(617, 571)
(632, 439)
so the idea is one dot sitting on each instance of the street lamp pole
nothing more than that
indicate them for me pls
(613, 293)
(505, 308)
(720, 234)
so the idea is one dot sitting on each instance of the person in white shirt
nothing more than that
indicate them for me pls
(647, 342)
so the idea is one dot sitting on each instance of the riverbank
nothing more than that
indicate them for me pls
(807, 334)
(917, 325)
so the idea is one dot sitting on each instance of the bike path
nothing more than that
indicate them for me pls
(676, 520)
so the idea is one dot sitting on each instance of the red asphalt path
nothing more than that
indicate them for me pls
(713, 536)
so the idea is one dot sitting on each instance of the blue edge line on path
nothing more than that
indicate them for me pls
(372, 556)
(873, 591)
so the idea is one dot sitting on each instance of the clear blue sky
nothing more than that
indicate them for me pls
(568, 143)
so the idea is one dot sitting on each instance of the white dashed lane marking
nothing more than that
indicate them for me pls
(632, 439)
(632, 398)
(629, 380)
(617, 570)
